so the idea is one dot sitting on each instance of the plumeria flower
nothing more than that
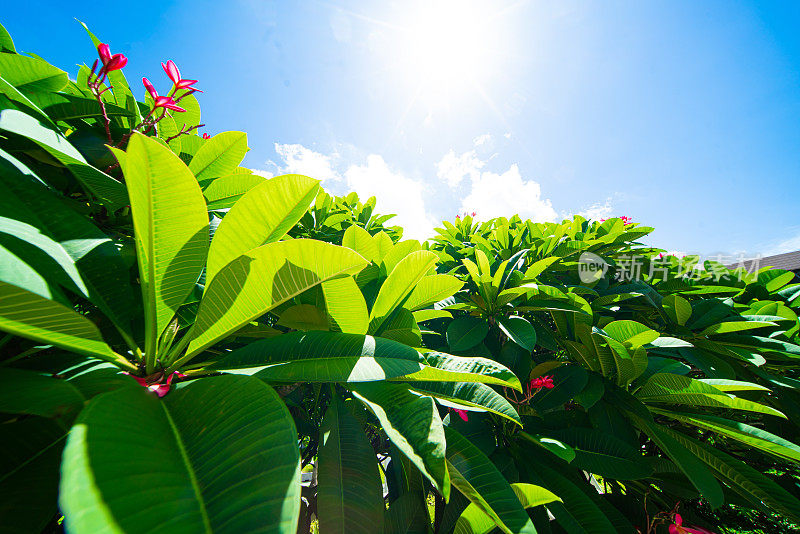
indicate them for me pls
(473, 214)
(175, 75)
(160, 101)
(158, 387)
(115, 62)
(542, 382)
(206, 136)
(677, 527)
(461, 413)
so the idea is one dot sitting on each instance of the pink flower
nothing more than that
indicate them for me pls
(461, 413)
(473, 214)
(160, 101)
(115, 62)
(458, 216)
(206, 136)
(150, 88)
(167, 102)
(678, 528)
(175, 75)
(157, 386)
(542, 382)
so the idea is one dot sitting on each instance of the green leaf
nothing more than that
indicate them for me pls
(475, 476)
(468, 395)
(749, 435)
(603, 454)
(473, 521)
(735, 326)
(219, 155)
(346, 307)
(190, 468)
(413, 424)
(465, 332)
(96, 258)
(261, 279)
(687, 460)
(443, 367)
(677, 308)
(106, 188)
(26, 314)
(303, 317)
(519, 330)
(30, 454)
(30, 74)
(677, 389)
(322, 357)
(746, 481)
(408, 515)
(29, 392)
(432, 289)
(398, 286)
(350, 493)
(224, 191)
(358, 239)
(171, 227)
(263, 215)
(631, 333)
(559, 448)
(6, 43)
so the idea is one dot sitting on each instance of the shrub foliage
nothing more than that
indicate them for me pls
(183, 337)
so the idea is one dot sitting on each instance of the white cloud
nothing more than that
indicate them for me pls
(395, 193)
(298, 159)
(503, 195)
(789, 245)
(482, 139)
(452, 169)
(600, 210)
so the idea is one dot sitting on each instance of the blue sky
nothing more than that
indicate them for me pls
(682, 115)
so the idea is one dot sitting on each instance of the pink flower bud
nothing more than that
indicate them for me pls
(150, 88)
(172, 71)
(206, 136)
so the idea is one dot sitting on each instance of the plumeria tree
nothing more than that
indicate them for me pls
(184, 337)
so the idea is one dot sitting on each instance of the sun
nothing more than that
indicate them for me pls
(445, 46)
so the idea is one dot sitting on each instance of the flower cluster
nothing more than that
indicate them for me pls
(624, 218)
(156, 383)
(677, 527)
(458, 215)
(534, 386)
(164, 102)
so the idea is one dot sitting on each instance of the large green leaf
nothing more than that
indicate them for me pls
(30, 74)
(323, 357)
(474, 475)
(398, 286)
(431, 289)
(224, 191)
(465, 332)
(678, 389)
(263, 215)
(631, 333)
(107, 189)
(603, 454)
(473, 521)
(171, 225)
(747, 434)
(408, 515)
(520, 331)
(30, 453)
(468, 395)
(677, 308)
(263, 278)
(347, 310)
(686, 460)
(743, 479)
(134, 463)
(95, 256)
(26, 314)
(413, 424)
(29, 392)
(349, 492)
(219, 156)
(441, 367)
(358, 239)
